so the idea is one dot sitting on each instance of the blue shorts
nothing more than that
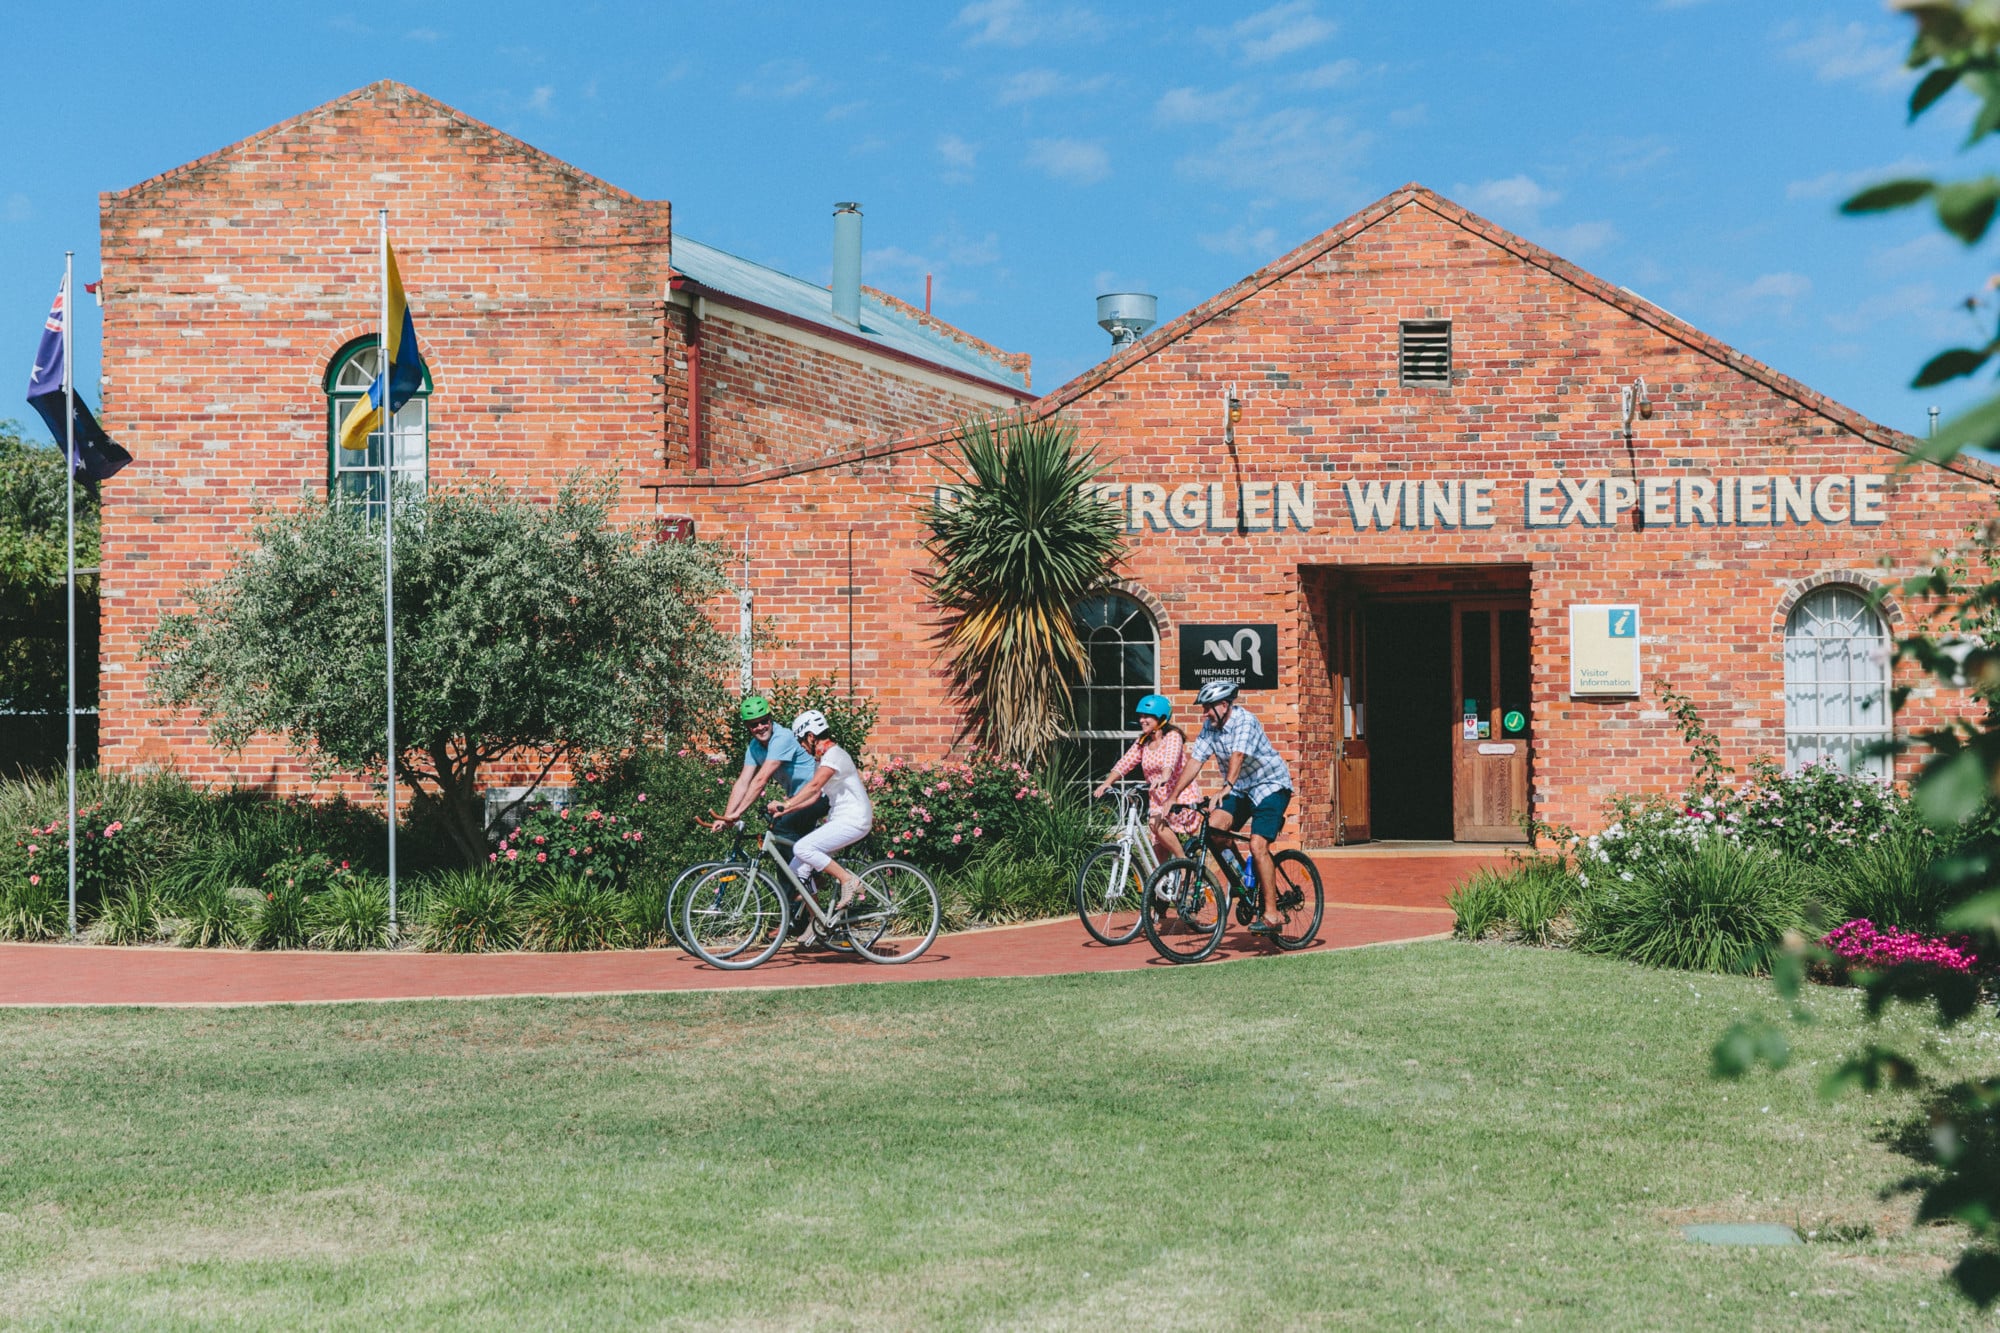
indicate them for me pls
(1267, 817)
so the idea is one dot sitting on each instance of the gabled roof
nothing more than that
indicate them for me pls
(885, 322)
(381, 89)
(1411, 196)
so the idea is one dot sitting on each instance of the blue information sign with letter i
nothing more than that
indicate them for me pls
(1624, 622)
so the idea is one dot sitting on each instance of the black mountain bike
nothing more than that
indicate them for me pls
(1188, 902)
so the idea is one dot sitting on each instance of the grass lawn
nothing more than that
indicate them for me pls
(1442, 1133)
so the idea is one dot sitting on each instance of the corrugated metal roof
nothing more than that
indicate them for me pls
(732, 275)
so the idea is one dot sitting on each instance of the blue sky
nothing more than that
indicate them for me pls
(1032, 153)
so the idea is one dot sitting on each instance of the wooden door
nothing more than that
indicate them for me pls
(1346, 663)
(1493, 729)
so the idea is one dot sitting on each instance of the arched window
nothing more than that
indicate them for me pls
(1124, 652)
(1836, 682)
(357, 474)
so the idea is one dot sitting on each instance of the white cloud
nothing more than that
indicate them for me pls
(779, 80)
(1294, 154)
(957, 153)
(1518, 200)
(843, 110)
(541, 100)
(1928, 250)
(18, 208)
(1280, 30)
(1330, 75)
(1580, 238)
(1405, 117)
(1916, 304)
(1241, 239)
(1851, 53)
(422, 35)
(1015, 23)
(1192, 106)
(1073, 160)
(1840, 184)
(1032, 85)
(1781, 291)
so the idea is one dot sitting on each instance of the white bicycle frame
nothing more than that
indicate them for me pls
(1134, 838)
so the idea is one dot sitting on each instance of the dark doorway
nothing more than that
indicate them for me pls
(1410, 719)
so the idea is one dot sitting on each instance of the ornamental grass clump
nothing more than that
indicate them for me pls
(215, 916)
(33, 907)
(570, 914)
(130, 915)
(1715, 907)
(469, 911)
(1533, 899)
(1889, 880)
(1479, 905)
(350, 914)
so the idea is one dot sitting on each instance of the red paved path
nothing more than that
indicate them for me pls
(1403, 903)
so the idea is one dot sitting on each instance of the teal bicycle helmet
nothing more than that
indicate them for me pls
(1154, 705)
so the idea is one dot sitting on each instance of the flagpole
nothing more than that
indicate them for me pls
(389, 551)
(69, 517)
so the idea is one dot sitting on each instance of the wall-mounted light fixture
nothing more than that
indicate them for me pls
(1633, 398)
(1232, 412)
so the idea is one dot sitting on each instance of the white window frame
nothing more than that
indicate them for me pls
(1838, 660)
(1139, 616)
(357, 474)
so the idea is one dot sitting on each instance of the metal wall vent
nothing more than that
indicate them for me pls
(1426, 351)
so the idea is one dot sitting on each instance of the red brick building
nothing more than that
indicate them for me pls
(564, 321)
(1470, 506)
(1461, 507)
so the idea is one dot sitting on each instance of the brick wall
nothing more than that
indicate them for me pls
(772, 396)
(1541, 353)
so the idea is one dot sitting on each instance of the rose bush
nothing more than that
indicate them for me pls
(941, 814)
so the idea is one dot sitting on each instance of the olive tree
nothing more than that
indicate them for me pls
(526, 632)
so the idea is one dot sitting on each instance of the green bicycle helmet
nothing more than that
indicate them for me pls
(755, 708)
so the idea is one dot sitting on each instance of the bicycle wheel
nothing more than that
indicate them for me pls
(1299, 903)
(898, 918)
(734, 917)
(676, 891)
(1185, 911)
(1109, 888)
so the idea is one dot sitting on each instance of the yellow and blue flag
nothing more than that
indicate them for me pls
(405, 364)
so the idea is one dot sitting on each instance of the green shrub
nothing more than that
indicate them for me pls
(277, 919)
(1889, 881)
(215, 916)
(127, 916)
(645, 906)
(468, 911)
(350, 914)
(852, 718)
(1533, 897)
(943, 815)
(1001, 887)
(661, 792)
(1479, 905)
(33, 907)
(1541, 893)
(570, 913)
(1713, 908)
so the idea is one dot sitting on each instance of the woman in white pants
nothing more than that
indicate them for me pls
(848, 820)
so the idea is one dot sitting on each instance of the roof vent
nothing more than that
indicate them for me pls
(847, 263)
(1426, 352)
(1126, 315)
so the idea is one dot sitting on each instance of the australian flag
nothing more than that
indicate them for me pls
(97, 454)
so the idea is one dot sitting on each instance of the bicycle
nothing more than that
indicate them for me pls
(1187, 907)
(1112, 879)
(677, 891)
(736, 915)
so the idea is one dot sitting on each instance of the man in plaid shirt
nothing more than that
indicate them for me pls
(1259, 783)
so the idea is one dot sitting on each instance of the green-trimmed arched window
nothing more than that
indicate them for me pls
(359, 475)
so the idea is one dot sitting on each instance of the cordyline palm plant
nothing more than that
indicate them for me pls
(1017, 542)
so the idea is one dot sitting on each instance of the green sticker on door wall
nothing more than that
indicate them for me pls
(1514, 721)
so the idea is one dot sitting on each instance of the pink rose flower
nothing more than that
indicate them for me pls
(493, 856)
(512, 855)
(34, 879)
(541, 856)
(641, 798)
(956, 839)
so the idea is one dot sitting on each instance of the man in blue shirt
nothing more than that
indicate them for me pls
(1259, 783)
(773, 752)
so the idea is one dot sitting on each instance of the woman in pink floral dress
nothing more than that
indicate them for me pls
(1160, 752)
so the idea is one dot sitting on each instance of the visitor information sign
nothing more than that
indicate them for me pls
(1604, 651)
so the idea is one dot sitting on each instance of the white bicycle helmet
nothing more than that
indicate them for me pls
(1215, 691)
(812, 722)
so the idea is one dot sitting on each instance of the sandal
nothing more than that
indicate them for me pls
(848, 898)
(1265, 928)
